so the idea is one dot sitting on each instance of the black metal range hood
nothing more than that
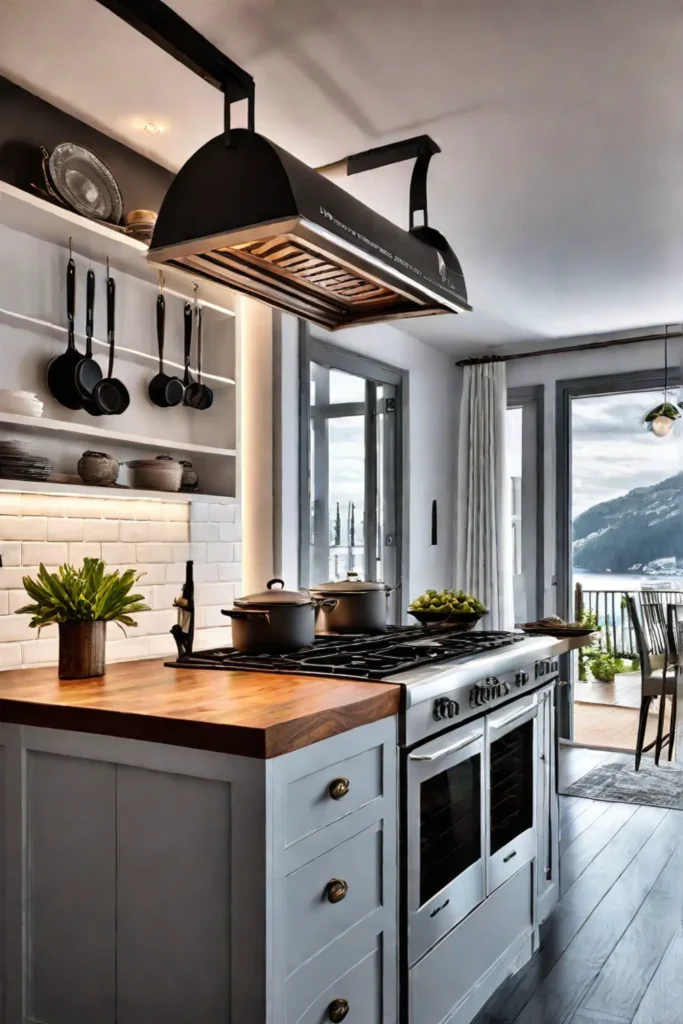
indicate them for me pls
(252, 216)
(244, 212)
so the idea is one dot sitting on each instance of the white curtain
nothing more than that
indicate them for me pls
(483, 542)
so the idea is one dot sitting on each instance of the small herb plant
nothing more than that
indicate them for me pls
(88, 594)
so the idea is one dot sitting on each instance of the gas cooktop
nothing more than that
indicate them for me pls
(378, 657)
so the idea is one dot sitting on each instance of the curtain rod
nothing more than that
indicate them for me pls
(479, 360)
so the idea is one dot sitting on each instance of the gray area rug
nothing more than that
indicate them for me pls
(617, 782)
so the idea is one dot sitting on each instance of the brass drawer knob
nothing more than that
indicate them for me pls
(337, 789)
(337, 1010)
(336, 890)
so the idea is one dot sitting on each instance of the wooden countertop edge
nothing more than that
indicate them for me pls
(261, 742)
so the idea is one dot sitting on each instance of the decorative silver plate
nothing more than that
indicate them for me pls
(85, 183)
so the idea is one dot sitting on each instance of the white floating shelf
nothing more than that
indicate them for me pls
(41, 425)
(60, 333)
(47, 487)
(25, 212)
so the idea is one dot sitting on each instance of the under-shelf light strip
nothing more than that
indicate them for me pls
(119, 348)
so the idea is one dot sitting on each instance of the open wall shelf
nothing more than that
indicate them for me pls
(47, 487)
(34, 216)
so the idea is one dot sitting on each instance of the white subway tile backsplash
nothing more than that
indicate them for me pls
(136, 532)
(205, 572)
(151, 574)
(231, 571)
(237, 552)
(119, 554)
(40, 652)
(15, 599)
(65, 529)
(101, 529)
(162, 645)
(230, 532)
(219, 552)
(10, 656)
(164, 596)
(154, 537)
(216, 637)
(222, 513)
(126, 649)
(10, 504)
(10, 553)
(23, 528)
(199, 512)
(49, 554)
(204, 531)
(15, 627)
(155, 552)
(12, 579)
(77, 552)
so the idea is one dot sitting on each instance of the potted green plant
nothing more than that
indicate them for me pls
(82, 601)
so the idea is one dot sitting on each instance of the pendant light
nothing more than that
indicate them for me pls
(661, 419)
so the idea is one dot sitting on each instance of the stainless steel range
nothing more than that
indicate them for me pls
(478, 798)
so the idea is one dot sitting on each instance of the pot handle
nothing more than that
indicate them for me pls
(326, 602)
(243, 614)
(271, 583)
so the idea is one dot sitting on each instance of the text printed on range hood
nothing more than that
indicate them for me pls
(252, 216)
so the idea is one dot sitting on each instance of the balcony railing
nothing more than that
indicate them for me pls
(608, 606)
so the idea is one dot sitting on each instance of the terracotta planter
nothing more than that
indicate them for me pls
(81, 649)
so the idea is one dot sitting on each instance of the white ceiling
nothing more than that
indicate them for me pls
(560, 183)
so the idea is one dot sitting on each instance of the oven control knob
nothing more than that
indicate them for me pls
(444, 707)
(522, 678)
(553, 667)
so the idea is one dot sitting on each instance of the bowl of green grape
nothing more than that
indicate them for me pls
(452, 608)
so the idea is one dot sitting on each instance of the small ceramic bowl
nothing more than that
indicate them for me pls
(459, 621)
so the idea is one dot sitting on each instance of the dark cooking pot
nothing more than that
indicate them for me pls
(361, 605)
(274, 621)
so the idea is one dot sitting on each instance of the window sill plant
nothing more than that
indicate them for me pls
(81, 602)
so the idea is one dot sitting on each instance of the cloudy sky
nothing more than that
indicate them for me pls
(613, 452)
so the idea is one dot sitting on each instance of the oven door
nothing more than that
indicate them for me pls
(512, 743)
(445, 834)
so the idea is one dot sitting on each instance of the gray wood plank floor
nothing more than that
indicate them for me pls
(612, 950)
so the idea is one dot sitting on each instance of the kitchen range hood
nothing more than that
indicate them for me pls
(245, 213)
(252, 216)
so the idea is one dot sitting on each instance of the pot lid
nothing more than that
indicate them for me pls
(274, 594)
(351, 585)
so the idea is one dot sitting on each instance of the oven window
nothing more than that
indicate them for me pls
(512, 785)
(450, 825)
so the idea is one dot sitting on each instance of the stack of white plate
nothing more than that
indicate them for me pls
(25, 403)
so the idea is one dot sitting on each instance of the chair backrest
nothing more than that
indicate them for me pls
(674, 632)
(652, 652)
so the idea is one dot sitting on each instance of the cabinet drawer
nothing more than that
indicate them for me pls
(330, 793)
(360, 987)
(317, 912)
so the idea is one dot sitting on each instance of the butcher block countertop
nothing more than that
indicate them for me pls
(250, 713)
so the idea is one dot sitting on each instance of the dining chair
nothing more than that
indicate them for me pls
(652, 639)
(674, 637)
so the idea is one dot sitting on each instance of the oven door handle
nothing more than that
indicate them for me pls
(436, 754)
(514, 716)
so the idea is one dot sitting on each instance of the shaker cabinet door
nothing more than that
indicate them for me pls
(70, 890)
(173, 899)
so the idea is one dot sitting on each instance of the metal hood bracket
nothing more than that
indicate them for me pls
(245, 213)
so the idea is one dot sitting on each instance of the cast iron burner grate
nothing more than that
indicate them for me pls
(358, 656)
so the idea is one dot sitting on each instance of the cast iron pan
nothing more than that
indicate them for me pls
(61, 369)
(88, 372)
(109, 394)
(198, 395)
(163, 390)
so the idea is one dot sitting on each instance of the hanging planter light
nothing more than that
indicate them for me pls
(661, 419)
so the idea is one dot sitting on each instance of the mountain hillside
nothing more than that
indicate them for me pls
(629, 532)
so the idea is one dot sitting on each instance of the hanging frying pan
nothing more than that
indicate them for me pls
(202, 396)
(111, 395)
(88, 371)
(163, 390)
(61, 369)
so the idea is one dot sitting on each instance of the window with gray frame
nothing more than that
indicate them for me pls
(350, 471)
(524, 436)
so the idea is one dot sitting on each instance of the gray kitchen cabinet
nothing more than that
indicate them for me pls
(547, 855)
(145, 882)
